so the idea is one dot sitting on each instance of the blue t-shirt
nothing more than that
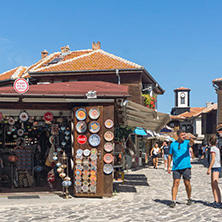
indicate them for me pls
(181, 157)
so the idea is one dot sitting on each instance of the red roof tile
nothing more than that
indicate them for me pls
(181, 88)
(73, 88)
(13, 73)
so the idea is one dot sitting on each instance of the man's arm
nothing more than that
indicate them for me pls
(169, 162)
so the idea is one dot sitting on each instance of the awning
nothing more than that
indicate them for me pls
(166, 129)
(140, 116)
(140, 131)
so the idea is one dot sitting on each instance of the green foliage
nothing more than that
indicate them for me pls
(149, 101)
(121, 131)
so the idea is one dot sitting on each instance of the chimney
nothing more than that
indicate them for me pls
(96, 46)
(209, 104)
(65, 49)
(44, 53)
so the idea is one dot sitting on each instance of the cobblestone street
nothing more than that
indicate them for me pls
(144, 197)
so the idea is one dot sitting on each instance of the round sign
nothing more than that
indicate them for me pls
(81, 139)
(48, 116)
(21, 85)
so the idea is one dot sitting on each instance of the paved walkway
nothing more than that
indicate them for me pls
(144, 197)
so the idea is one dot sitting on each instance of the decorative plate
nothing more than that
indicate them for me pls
(78, 172)
(23, 116)
(79, 152)
(86, 172)
(108, 147)
(81, 139)
(79, 156)
(85, 182)
(92, 182)
(108, 158)
(94, 127)
(78, 177)
(93, 168)
(81, 114)
(78, 183)
(85, 188)
(81, 127)
(78, 189)
(94, 140)
(11, 121)
(86, 152)
(93, 173)
(107, 168)
(78, 161)
(93, 163)
(93, 189)
(93, 178)
(85, 177)
(85, 162)
(93, 151)
(94, 113)
(108, 136)
(79, 167)
(108, 123)
(86, 167)
(93, 156)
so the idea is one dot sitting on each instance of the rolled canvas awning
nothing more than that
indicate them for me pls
(140, 116)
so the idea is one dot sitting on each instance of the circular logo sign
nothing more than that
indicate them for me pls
(81, 139)
(21, 86)
(48, 116)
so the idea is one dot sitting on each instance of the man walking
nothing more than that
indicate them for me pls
(179, 151)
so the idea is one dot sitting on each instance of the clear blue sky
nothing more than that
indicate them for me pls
(178, 41)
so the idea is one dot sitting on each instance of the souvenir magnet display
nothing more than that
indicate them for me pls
(108, 123)
(94, 127)
(108, 158)
(81, 114)
(94, 113)
(94, 140)
(108, 136)
(108, 147)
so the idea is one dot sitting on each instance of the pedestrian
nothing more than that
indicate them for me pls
(200, 153)
(215, 169)
(204, 152)
(155, 155)
(165, 149)
(179, 152)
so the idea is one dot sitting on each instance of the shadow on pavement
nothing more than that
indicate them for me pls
(130, 183)
(166, 202)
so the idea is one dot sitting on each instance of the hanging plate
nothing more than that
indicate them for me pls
(86, 172)
(86, 152)
(108, 158)
(79, 167)
(94, 140)
(78, 172)
(79, 156)
(81, 127)
(94, 113)
(81, 139)
(108, 136)
(86, 167)
(108, 147)
(93, 178)
(23, 116)
(85, 162)
(78, 183)
(107, 168)
(92, 182)
(79, 152)
(85, 182)
(93, 173)
(108, 123)
(85, 177)
(93, 167)
(81, 114)
(94, 127)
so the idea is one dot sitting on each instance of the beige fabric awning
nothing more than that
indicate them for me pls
(141, 116)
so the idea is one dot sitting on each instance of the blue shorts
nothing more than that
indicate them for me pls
(216, 169)
(165, 156)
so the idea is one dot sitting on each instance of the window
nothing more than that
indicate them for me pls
(182, 101)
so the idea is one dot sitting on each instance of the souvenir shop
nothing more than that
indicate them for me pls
(43, 148)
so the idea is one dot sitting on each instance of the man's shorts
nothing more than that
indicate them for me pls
(185, 172)
(165, 156)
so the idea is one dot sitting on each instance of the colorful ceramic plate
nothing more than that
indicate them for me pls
(93, 178)
(78, 172)
(92, 189)
(92, 182)
(78, 183)
(85, 177)
(86, 152)
(85, 182)
(108, 147)
(93, 163)
(86, 167)
(108, 136)
(93, 173)
(85, 188)
(108, 123)
(81, 127)
(81, 114)
(79, 152)
(93, 151)
(94, 140)
(107, 168)
(79, 167)
(94, 127)
(85, 162)
(86, 172)
(78, 161)
(23, 116)
(79, 156)
(108, 158)
(94, 113)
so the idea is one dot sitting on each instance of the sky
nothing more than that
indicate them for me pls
(179, 42)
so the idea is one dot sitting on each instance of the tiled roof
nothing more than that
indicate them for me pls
(193, 111)
(94, 60)
(217, 80)
(73, 89)
(182, 88)
(13, 73)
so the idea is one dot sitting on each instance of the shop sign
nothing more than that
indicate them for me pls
(21, 85)
(1, 116)
(48, 116)
(81, 139)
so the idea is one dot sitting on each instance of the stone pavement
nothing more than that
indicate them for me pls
(144, 197)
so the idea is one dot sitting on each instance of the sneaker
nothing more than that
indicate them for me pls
(165, 168)
(173, 204)
(216, 204)
(189, 202)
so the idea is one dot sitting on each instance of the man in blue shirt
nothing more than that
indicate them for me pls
(179, 152)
